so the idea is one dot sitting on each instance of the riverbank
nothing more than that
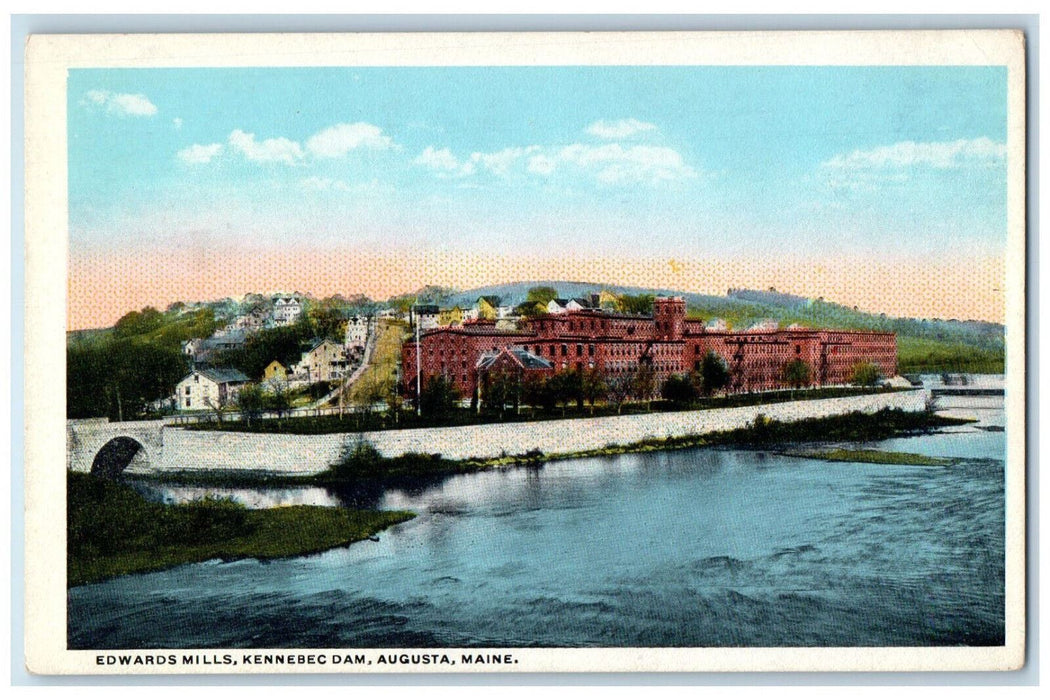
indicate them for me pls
(764, 433)
(872, 457)
(360, 463)
(112, 530)
(115, 531)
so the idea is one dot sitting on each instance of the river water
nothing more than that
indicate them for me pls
(697, 547)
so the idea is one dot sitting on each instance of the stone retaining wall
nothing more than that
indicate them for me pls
(308, 454)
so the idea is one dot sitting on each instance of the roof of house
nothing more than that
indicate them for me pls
(224, 375)
(491, 299)
(233, 337)
(520, 356)
(426, 308)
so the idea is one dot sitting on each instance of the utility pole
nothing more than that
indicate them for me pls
(419, 352)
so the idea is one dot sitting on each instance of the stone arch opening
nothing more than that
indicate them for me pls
(117, 455)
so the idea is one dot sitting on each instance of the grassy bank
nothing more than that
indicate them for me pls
(872, 457)
(930, 356)
(112, 530)
(764, 433)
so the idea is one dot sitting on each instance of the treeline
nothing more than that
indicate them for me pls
(119, 378)
(507, 391)
(118, 373)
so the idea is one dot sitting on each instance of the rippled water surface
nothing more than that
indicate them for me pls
(696, 547)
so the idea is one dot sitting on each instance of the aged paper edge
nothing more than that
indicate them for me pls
(49, 57)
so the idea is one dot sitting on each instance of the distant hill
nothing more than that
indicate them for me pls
(515, 293)
(923, 344)
(771, 296)
(931, 345)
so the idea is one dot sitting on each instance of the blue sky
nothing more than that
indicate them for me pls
(683, 162)
(701, 160)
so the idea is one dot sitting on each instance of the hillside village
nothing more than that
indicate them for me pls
(209, 385)
(293, 351)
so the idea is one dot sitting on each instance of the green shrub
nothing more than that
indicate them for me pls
(358, 458)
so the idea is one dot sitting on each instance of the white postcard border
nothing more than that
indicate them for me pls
(48, 59)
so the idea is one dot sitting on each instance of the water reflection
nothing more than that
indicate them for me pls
(695, 547)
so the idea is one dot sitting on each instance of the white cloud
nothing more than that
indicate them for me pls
(501, 162)
(607, 163)
(866, 171)
(943, 155)
(619, 129)
(336, 141)
(177, 122)
(198, 154)
(279, 149)
(441, 160)
(122, 104)
(615, 164)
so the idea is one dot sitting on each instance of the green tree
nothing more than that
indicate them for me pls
(358, 458)
(279, 396)
(393, 399)
(678, 389)
(530, 309)
(593, 386)
(119, 378)
(402, 303)
(138, 322)
(541, 294)
(439, 397)
(636, 303)
(560, 390)
(219, 405)
(796, 374)
(619, 388)
(644, 382)
(502, 389)
(714, 374)
(537, 391)
(866, 374)
(329, 319)
(251, 402)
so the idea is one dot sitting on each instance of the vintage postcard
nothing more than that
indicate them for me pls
(525, 352)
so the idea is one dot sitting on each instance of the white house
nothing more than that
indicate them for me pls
(766, 325)
(192, 347)
(427, 315)
(357, 331)
(557, 306)
(208, 388)
(286, 310)
(717, 324)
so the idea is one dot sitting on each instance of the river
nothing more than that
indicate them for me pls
(695, 547)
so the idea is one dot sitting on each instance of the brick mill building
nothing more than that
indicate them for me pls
(615, 344)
